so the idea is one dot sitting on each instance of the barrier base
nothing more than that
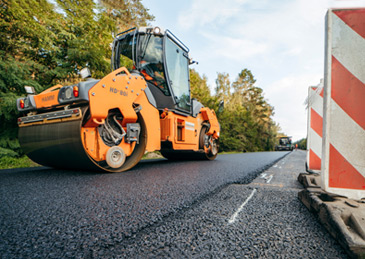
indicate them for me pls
(343, 218)
(310, 180)
(311, 171)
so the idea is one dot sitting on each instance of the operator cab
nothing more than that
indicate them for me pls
(161, 59)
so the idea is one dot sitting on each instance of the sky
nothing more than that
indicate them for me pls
(281, 42)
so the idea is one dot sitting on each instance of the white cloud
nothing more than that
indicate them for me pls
(294, 51)
(233, 48)
(203, 12)
(288, 95)
(281, 42)
(289, 29)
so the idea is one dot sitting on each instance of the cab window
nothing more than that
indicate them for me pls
(178, 73)
(125, 49)
(150, 61)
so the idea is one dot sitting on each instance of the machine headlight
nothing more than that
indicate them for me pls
(157, 30)
(68, 93)
(26, 102)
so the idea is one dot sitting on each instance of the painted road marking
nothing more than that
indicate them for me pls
(234, 216)
(270, 178)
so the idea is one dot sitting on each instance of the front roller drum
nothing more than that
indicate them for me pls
(56, 145)
(59, 145)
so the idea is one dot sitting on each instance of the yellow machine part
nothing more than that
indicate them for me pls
(187, 137)
(181, 131)
(210, 116)
(76, 143)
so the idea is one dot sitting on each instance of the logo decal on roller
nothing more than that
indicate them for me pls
(48, 98)
(115, 91)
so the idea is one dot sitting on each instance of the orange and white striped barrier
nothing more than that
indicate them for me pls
(343, 150)
(315, 126)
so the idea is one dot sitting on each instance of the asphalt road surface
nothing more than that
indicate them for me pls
(141, 213)
(263, 219)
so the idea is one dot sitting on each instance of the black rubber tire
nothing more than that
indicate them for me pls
(207, 155)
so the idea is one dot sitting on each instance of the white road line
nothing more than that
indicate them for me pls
(234, 216)
(270, 178)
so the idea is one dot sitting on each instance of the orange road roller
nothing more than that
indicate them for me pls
(142, 106)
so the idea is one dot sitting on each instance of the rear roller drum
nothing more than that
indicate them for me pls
(208, 144)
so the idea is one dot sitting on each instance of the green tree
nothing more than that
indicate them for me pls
(199, 89)
(246, 123)
(126, 13)
(27, 53)
(302, 143)
(42, 45)
(223, 89)
(90, 29)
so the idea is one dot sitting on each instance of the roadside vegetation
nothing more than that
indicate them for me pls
(246, 120)
(7, 162)
(302, 143)
(44, 43)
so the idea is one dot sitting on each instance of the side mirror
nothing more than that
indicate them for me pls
(85, 73)
(191, 61)
(221, 106)
(29, 89)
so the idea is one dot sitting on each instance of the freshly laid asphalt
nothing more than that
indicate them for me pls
(158, 209)
(272, 223)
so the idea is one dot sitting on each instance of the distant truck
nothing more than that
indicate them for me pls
(284, 144)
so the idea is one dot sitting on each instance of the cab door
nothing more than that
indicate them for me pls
(177, 67)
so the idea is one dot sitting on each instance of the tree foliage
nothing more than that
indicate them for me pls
(246, 121)
(302, 143)
(126, 14)
(200, 90)
(43, 43)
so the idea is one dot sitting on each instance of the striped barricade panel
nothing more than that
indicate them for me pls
(343, 156)
(315, 123)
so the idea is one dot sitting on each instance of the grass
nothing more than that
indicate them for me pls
(7, 162)
(152, 155)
